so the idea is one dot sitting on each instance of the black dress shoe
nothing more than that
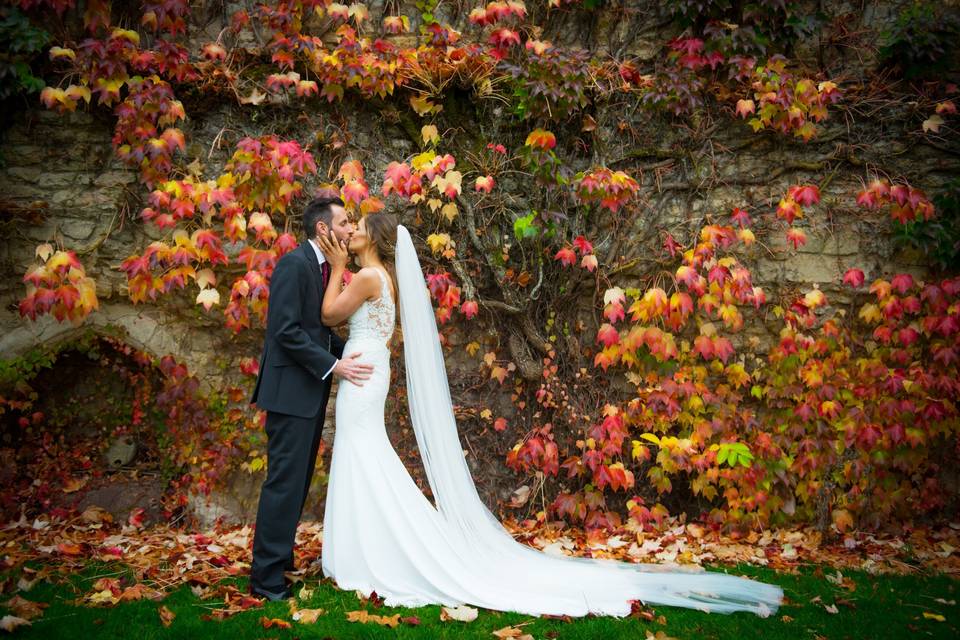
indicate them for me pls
(272, 596)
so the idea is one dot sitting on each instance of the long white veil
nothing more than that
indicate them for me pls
(535, 581)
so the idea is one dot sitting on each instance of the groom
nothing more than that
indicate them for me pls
(300, 358)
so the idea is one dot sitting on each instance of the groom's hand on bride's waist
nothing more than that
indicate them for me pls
(349, 369)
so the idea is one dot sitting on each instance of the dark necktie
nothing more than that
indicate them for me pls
(325, 273)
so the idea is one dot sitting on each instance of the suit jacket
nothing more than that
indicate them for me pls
(298, 349)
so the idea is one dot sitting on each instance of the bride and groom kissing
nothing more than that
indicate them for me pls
(380, 533)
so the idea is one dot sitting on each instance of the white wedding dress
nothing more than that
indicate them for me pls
(382, 534)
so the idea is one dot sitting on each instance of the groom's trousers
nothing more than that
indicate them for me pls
(292, 445)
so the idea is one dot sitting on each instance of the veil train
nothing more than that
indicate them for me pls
(536, 581)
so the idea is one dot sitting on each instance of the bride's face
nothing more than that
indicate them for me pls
(359, 241)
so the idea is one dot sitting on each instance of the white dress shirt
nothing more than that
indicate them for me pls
(322, 259)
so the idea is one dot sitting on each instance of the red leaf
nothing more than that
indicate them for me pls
(853, 277)
(583, 245)
(607, 335)
(566, 256)
(741, 217)
(469, 309)
(806, 195)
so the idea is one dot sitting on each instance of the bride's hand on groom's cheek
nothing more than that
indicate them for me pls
(334, 250)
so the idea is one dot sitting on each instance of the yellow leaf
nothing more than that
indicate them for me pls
(104, 597)
(438, 242)
(450, 211)
(472, 348)
(126, 34)
(463, 613)
(932, 124)
(75, 92)
(44, 251)
(208, 298)
(60, 52)
(423, 106)
(429, 133)
(359, 11)
(307, 616)
(870, 313)
(206, 278)
(842, 519)
(934, 616)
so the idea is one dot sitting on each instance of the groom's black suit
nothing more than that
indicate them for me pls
(293, 388)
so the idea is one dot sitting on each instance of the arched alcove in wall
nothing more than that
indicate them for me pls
(83, 423)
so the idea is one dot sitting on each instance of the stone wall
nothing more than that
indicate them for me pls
(64, 166)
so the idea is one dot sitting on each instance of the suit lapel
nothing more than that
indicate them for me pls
(311, 257)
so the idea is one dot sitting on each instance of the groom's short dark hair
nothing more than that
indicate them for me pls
(319, 210)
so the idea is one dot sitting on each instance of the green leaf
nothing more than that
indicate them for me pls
(722, 456)
(524, 228)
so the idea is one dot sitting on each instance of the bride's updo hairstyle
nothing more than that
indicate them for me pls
(382, 231)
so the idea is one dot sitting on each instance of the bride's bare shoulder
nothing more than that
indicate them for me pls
(368, 280)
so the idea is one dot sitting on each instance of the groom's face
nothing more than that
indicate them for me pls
(340, 225)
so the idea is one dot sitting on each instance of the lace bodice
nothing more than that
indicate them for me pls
(374, 318)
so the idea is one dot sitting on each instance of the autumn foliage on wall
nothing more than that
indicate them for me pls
(631, 393)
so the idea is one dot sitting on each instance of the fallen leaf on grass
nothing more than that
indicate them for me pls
(659, 635)
(166, 616)
(463, 613)
(363, 616)
(268, 623)
(140, 592)
(411, 621)
(831, 608)
(513, 632)
(102, 598)
(307, 616)
(25, 585)
(304, 593)
(934, 616)
(25, 609)
(10, 623)
(841, 581)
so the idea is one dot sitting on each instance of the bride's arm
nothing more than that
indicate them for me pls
(339, 303)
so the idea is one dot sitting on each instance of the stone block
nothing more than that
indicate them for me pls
(113, 179)
(31, 174)
(810, 268)
(77, 229)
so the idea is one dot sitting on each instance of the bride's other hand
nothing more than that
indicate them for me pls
(349, 369)
(334, 250)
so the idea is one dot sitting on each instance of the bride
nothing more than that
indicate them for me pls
(382, 534)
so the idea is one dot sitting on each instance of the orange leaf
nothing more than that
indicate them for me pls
(166, 616)
(268, 623)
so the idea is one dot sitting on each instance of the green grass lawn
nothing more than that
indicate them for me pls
(878, 607)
